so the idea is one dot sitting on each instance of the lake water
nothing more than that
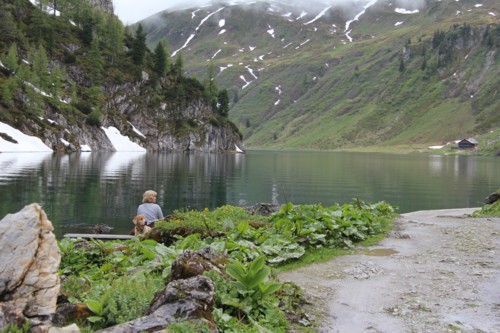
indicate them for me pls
(106, 188)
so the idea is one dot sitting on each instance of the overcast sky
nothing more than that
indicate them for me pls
(131, 11)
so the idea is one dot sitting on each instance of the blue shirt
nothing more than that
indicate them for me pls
(152, 212)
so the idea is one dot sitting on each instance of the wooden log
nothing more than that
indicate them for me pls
(98, 236)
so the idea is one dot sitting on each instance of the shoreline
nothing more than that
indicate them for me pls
(437, 271)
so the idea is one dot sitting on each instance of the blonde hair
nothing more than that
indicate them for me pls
(148, 196)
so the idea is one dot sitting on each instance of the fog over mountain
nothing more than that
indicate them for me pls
(130, 11)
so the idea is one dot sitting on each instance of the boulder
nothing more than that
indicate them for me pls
(492, 198)
(29, 260)
(70, 312)
(263, 209)
(193, 263)
(191, 298)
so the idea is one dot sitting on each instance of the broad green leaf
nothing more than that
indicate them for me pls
(237, 271)
(269, 288)
(257, 264)
(148, 253)
(94, 306)
(95, 319)
(258, 277)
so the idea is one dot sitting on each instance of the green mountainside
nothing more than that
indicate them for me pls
(298, 80)
(69, 70)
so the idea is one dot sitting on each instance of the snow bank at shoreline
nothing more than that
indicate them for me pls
(14, 141)
(23, 143)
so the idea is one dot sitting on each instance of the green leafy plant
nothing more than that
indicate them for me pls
(117, 279)
(188, 327)
(126, 298)
(488, 210)
(11, 328)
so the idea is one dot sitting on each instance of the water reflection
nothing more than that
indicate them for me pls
(12, 164)
(117, 164)
(94, 188)
(436, 164)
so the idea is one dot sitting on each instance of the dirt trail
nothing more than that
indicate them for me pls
(438, 271)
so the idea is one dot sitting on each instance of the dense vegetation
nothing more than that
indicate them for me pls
(489, 209)
(392, 85)
(65, 59)
(117, 280)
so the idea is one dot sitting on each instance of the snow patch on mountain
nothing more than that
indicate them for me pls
(245, 80)
(251, 71)
(406, 11)
(216, 53)
(197, 28)
(183, 46)
(322, 13)
(356, 18)
(302, 14)
(270, 31)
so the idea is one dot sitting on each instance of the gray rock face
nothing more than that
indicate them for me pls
(189, 298)
(29, 259)
(104, 5)
(149, 123)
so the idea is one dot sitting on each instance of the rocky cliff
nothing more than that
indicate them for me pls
(104, 5)
(153, 124)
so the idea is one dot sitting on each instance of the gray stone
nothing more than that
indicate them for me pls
(492, 198)
(29, 260)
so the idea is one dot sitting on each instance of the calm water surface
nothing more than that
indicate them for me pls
(79, 190)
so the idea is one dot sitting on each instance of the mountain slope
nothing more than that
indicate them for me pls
(366, 73)
(73, 74)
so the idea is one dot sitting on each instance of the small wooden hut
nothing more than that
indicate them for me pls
(469, 143)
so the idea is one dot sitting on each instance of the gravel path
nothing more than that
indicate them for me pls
(438, 271)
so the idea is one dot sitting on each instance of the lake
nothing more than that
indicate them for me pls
(79, 190)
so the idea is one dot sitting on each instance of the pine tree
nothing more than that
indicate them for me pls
(57, 76)
(223, 103)
(210, 86)
(87, 31)
(177, 68)
(9, 88)
(96, 62)
(160, 60)
(114, 37)
(11, 59)
(8, 29)
(38, 25)
(40, 64)
(402, 67)
(139, 46)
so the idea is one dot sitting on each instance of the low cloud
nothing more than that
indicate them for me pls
(410, 4)
(131, 11)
